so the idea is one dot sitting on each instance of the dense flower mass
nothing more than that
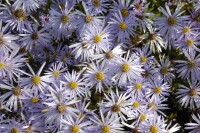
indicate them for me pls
(99, 66)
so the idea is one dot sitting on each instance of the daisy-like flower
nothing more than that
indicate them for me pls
(188, 30)
(115, 104)
(153, 125)
(136, 103)
(189, 43)
(6, 39)
(59, 106)
(77, 125)
(107, 124)
(194, 127)
(190, 68)
(12, 126)
(97, 37)
(189, 96)
(110, 55)
(15, 18)
(158, 88)
(97, 75)
(73, 84)
(155, 41)
(11, 64)
(34, 37)
(55, 72)
(81, 51)
(61, 22)
(138, 87)
(12, 96)
(121, 27)
(86, 20)
(123, 6)
(27, 5)
(145, 55)
(35, 83)
(127, 69)
(97, 6)
(164, 70)
(169, 25)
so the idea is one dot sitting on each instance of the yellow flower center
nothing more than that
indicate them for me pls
(136, 104)
(20, 14)
(2, 65)
(186, 30)
(143, 59)
(143, 117)
(34, 100)
(125, 67)
(105, 129)
(163, 71)
(17, 91)
(171, 21)
(73, 85)
(154, 129)
(65, 19)
(190, 42)
(115, 108)
(56, 73)
(99, 76)
(97, 39)
(61, 108)
(193, 92)
(124, 12)
(35, 36)
(152, 106)
(122, 26)
(36, 80)
(14, 130)
(138, 6)
(157, 90)
(96, 3)
(88, 19)
(1, 41)
(75, 129)
(138, 86)
(109, 55)
(191, 64)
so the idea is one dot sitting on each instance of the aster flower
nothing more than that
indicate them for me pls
(55, 72)
(27, 5)
(97, 6)
(61, 22)
(121, 27)
(194, 127)
(107, 124)
(35, 83)
(97, 75)
(12, 126)
(77, 125)
(6, 39)
(115, 104)
(189, 96)
(189, 68)
(127, 69)
(169, 25)
(34, 37)
(97, 37)
(15, 18)
(73, 84)
(12, 96)
(154, 125)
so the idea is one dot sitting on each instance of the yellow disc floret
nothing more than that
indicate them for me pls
(73, 85)
(34, 100)
(186, 30)
(105, 129)
(65, 19)
(36, 80)
(97, 39)
(143, 117)
(124, 12)
(75, 129)
(17, 91)
(136, 104)
(2, 65)
(122, 26)
(61, 108)
(99, 76)
(138, 86)
(157, 90)
(171, 21)
(56, 73)
(88, 19)
(14, 130)
(153, 129)
(190, 42)
(125, 67)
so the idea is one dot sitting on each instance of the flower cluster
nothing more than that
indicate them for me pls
(99, 66)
